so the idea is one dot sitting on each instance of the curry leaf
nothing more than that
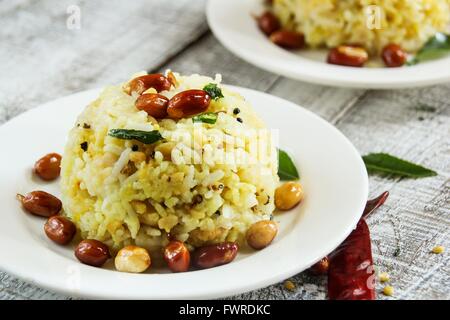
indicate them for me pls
(146, 137)
(286, 167)
(213, 90)
(208, 117)
(437, 47)
(383, 162)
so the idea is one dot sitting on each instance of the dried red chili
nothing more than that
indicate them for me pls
(351, 274)
(374, 204)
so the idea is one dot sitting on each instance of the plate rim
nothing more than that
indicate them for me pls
(362, 81)
(104, 294)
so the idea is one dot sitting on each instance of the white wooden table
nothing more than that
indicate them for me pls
(42, 59)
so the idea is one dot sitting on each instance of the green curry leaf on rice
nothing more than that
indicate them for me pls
(213, 90)
(146, 137)
(208, 117)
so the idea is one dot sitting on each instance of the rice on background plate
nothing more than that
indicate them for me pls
(203, 183)
(330, 23)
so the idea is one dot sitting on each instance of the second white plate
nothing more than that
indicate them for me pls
(233, 24)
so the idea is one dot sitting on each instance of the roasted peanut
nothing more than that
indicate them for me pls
(268, 23)
(348, 56)
(92, 252)
(261, 234)
(48, 167)
(394, 56)
(142, 83)
(321, 267)
(288, 195)
(132, 259)
(59, 229)
(215, 255)
(177, 256)
(188, 103)
(288, 39)
(154, 104)
(40, 203)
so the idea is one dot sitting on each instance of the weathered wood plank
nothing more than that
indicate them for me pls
(415, 125)
(43, 60)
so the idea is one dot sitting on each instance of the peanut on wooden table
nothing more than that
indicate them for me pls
(45, 56)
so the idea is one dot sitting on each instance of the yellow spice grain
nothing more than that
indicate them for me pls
(289, 285)
(384, 277)
(388, 291)
(438, 249)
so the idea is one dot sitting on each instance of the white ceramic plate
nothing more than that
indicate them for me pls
(333, 176)
(232, 23)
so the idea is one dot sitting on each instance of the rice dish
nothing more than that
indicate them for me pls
(371, 24)
(202, 183)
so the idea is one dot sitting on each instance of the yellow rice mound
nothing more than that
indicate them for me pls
(409, 23)
(202, 184)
